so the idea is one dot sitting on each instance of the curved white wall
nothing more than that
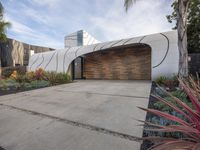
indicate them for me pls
(165, 55)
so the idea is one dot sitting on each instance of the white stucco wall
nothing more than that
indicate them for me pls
(165, 55)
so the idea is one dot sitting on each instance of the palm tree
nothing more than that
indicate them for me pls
(182, 33)
(3, 26)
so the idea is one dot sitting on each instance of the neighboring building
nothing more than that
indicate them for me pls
(15, 53)
(79, 38)
(194, 64)
(139, 58)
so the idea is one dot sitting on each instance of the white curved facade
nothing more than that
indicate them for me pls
(164, 54)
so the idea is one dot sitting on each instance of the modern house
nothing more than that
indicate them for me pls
(138, 58)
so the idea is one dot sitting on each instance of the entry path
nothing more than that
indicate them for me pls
(85, 115)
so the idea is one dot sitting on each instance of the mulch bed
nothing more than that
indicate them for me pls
(13, 90)
(10, 91)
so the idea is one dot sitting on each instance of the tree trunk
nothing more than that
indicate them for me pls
(0, 61)
(0, 69)
(182, 37)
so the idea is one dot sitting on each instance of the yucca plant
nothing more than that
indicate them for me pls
(189, 124)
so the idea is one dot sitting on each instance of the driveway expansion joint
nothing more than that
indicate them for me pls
(116, 95)
(78, 124)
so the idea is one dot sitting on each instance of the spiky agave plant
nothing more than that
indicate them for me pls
(190, 126)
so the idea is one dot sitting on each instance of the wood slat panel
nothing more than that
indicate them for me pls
(120, 64)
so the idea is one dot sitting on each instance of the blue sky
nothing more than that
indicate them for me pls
(46, 22)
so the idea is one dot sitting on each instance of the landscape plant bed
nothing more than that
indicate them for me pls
(31, 80)
(13, 90)
(154, 104)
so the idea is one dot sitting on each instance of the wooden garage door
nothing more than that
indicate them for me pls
(123, 64)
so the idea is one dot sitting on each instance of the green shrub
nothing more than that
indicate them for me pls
(37, 84)
(3, 85)
(62, 78)
(7, 83)
(20, 78)
(12, 83)
(170, 83)
(161, 80)
(57, 78)
(179, 94)
(29, 76)
(51, 77)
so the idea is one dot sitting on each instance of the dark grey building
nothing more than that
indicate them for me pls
(16, 53)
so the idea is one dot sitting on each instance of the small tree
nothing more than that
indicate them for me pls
(3, 26)
(182, 6)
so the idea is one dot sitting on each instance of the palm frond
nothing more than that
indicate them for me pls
(3, 25)
(128, 4)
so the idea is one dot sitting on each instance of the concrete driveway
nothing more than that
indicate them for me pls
(85, 115)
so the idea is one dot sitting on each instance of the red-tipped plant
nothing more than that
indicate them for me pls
(189, 126)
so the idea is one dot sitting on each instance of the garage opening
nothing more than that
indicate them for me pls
(125, 63)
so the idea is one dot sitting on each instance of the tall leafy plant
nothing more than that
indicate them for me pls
(3, 26)
(189, 124)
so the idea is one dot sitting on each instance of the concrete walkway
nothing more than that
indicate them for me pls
(85, 115)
